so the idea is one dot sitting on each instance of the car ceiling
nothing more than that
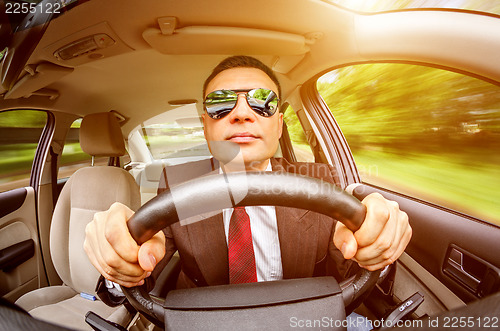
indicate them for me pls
(146, 68)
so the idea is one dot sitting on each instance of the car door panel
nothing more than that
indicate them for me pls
(411, 277)
(18, 235)
(437, 232)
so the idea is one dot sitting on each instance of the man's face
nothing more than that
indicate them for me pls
(256, 136)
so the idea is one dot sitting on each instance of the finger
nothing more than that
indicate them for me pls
(123, 281)
(377, 215)
(111, 264)
(110, 267)
(87, 243)
(401, 248)
(152, 251)
(117, 233)
(91, 245)
(107, 257)
(90, 252)
(387, 241)
(115, 266)
(395, 252)
(344, 240)
(112, 274)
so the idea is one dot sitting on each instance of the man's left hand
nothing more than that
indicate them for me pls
(381, 239)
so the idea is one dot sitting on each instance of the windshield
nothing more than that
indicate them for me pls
(492, 7)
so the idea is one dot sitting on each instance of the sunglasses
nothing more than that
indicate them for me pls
(221, 102)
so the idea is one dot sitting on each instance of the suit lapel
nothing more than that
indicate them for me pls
(208, 242)
(298, 235)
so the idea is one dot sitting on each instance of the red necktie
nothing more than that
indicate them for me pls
(240, 248)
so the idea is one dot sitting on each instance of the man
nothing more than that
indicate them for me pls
(254, 131)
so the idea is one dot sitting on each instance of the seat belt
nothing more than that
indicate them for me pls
(53, 174)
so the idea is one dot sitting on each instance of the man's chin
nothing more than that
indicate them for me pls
(239, 156)
(225, 151)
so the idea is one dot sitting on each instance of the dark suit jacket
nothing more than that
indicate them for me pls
(305, 237)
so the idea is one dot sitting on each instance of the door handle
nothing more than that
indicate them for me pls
(12, 256)
(455, 267)
(473, 273)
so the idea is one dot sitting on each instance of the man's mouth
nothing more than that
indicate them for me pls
(243, 137)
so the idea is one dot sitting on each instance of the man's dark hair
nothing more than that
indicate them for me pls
(241, 61)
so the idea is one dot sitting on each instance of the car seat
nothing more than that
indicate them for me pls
(88, 190)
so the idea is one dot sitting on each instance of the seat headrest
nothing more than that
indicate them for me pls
(100, 135)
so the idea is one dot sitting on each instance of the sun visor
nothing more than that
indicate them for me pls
(225, 40)
(43, 75)
(25, 39)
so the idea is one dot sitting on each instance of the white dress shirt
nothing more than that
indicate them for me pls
(265, 239)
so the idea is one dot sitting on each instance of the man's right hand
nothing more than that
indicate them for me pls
(113, 251)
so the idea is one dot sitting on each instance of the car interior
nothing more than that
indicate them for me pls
(107, 97)
(89, 190)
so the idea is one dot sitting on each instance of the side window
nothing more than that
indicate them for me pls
(300, 145)
(424, 132)
(20, 132)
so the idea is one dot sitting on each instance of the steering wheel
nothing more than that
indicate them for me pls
(215, 192)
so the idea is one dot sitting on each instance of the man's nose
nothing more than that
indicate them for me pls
(242, 111)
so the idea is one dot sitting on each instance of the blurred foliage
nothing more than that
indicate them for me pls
(399, 119)
(23, 119)
(402, 108)
(20, 131)
(16, 159)
(297, 135)
(301, 147)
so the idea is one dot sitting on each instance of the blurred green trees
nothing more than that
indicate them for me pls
(413, 108)
(19, 134)
(428, 132)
